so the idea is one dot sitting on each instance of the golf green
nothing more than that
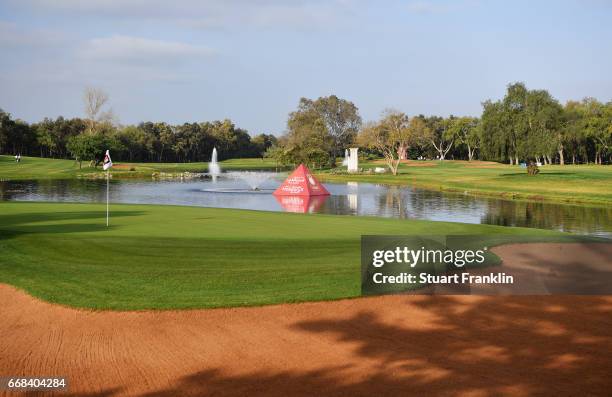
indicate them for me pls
(164, 257)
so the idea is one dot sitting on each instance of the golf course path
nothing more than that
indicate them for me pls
(390, 345)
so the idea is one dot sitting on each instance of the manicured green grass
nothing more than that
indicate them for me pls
(40, 168)
(580, 183)
(165, 257)
(35, 168)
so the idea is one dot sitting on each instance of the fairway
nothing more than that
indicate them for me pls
(165, 257)
(568, 183)
(42, 168)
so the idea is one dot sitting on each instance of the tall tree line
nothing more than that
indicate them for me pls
(145, 142)
(524, 126)
(87, 139)
(531, 124)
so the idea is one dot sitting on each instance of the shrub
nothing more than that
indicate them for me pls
(532, 168)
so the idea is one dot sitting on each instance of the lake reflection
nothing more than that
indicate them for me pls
(346, 199)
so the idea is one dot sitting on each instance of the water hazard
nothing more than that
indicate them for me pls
(402, 202)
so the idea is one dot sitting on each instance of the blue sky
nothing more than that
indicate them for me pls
(251, 60)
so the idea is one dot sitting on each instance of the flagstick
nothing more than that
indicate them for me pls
(107, 198)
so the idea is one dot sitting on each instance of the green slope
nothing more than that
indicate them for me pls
(166, 257)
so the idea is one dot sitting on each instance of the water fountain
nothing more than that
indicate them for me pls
(253, 178)
(214, 169)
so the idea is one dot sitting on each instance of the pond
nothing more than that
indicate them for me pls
(350, 198)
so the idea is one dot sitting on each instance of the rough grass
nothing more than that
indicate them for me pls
(168, 257)
(578, 184)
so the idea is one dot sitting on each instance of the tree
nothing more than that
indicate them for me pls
(52, 135)
(165, 137)
(528, 125)
(466, 130)
(134, 141)
(16, 136)
(45, 140)
(525, 124)
(86, 147)
(226, 137)
(513, 106)
(494, 137)
(597, 125)
(307, 139)
(605, 139)
(342, 121)
(394, 131)
(438, 136)
(242, 144)
(398, 124)
(262, 142)
(544, 133)
(6, 125)
(573, 131)
(339, 119)
(279, 154)
(95, 99)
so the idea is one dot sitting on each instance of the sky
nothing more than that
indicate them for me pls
(252, 60)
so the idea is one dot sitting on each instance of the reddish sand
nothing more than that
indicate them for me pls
(389, 345)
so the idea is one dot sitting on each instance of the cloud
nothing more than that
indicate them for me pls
(296, 16)
(120, 48)
(97, 7)
(12, 36)
(437, 6)
(130, 59)
(206, 14)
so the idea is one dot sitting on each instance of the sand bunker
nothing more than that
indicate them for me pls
(389, 345)
(544, 269)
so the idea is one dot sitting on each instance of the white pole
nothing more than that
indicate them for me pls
(107, 198)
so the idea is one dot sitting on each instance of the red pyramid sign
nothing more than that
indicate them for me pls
(301, 204)
(301, 183)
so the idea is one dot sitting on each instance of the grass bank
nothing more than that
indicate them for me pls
(573, 184)
(42, 168)
(167, 257)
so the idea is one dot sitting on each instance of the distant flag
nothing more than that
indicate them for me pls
(107, 163)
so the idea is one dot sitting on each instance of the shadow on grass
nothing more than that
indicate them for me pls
(483, 347)
(524, 173)
(42, 222)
